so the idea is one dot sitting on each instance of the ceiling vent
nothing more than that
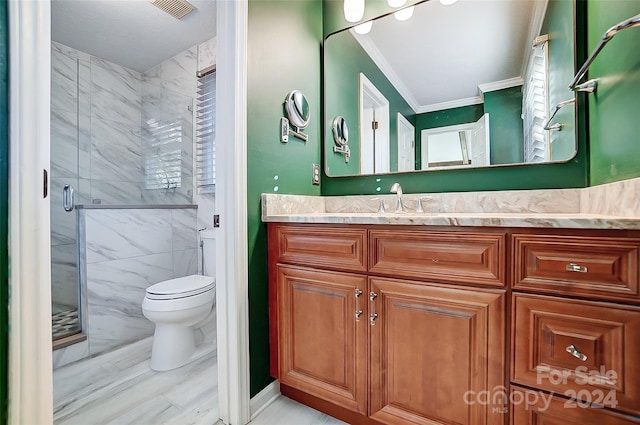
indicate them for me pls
(176, 8)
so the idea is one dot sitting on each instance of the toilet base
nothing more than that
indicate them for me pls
(173, 346)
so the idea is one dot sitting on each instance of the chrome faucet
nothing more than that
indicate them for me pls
(397, 189)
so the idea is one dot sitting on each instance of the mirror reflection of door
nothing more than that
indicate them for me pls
(406, 144)
(374, 129)
(456, 145)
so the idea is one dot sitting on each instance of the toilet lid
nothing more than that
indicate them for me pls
(181, 287)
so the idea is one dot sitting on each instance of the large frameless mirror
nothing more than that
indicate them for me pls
(471, 84)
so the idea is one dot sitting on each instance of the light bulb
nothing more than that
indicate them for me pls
(396, 3)
(447, 2)
(363, 28)
(404, 14)
(353, 10)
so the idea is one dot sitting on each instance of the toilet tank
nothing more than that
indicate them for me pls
(208, 237)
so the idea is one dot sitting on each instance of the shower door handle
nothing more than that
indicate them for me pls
(67, 197)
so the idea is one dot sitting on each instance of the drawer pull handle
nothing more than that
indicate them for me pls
(358, 294)
(573, 267)
(372, 318)
(372, 296)
(576, 353)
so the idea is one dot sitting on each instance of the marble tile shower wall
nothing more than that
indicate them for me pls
(100, 142)
(126, 251)
(100, 126)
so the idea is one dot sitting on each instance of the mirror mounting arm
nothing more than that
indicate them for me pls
(286, 130)
(343, 150)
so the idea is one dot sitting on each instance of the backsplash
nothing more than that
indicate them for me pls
(619, 199)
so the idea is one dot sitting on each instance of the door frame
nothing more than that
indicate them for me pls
(403, 122)
(30, 349)
(381, 156)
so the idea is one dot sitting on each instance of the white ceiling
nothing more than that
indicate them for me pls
(455, 50)
(131, 33)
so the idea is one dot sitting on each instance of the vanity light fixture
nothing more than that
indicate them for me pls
(353, 10)
(447, 2)
(404, 14)
(363, 28)
(396, 3)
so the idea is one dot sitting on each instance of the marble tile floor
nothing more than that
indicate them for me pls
(284, 411)
(118, 387)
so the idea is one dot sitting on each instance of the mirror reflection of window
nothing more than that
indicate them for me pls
(535, 103)
(457, 145)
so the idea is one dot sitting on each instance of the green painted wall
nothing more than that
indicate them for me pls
(614, 123)
(284, 41)
(344, 60)
(573, 173)
(4, 213)
(505, 125)
(561, 73)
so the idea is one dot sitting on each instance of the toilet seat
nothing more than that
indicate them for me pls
(181, 287)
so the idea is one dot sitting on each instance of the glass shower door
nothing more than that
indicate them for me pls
(65, 142)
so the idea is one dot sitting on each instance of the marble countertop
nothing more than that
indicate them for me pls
(610, 206)
(549, 220)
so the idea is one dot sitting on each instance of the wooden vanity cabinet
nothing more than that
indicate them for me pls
(433, 349)
(575, 326)
(322, 345)
(368, 348)
(409, 325)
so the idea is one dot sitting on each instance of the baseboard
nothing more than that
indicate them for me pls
(264, 398)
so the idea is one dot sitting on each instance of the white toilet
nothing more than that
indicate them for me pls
(178, 307)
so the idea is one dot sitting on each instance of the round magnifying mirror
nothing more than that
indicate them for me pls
(340, 131)
(297, 109)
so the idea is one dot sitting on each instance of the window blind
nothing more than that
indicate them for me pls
(206, 134)
(534, 104)
(163, 154)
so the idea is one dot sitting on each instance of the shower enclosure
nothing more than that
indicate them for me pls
(119, 138)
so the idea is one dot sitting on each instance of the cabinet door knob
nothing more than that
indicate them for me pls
(372, 295)
(357, 293)
(576, 353)
(573, 267)
(358, 314)
(372, 318)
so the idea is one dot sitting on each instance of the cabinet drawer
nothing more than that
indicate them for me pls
(459, 257)
(606, 267)
(337, 248)
(581, 349)
(537, 408)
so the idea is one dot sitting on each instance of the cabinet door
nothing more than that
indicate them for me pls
(436, 353)
(321, 341)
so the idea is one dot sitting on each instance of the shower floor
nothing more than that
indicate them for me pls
(118, 387)
(64, 322)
